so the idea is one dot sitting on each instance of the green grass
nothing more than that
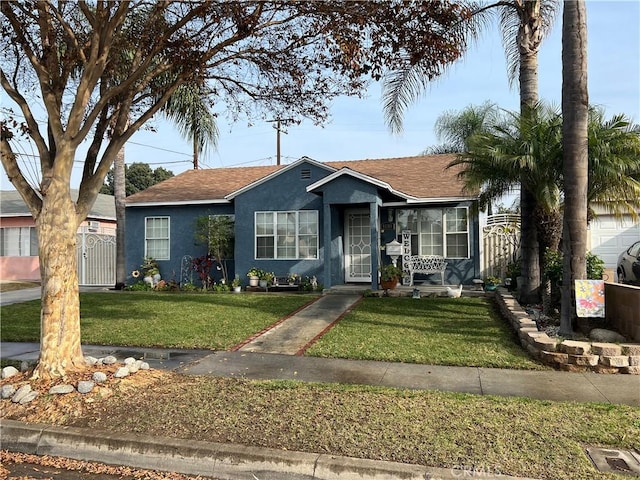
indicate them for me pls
(515, 436)
(440, 331)
(160, 320)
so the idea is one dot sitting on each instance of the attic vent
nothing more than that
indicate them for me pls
(305, 174)
(93, 226)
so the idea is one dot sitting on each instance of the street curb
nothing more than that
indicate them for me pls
(219, 460)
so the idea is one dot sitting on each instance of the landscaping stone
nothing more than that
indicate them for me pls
(568, 367)
(635, 370)
(607, 336)
(22, 392)
(615, 361)
(129, 360)
(61, 389)
(634, 361)
(135, 366)
(109, 360)
(85, 386)
(90, 360)
(631, 349)
(607, 370)
(144, 366)
(121, 372)
(584, 360)
(9, 371)
(99, 377)
(554, 358)
(29, 397)
(608, 349)
(7, 391)
(574, 347)
(544, 342)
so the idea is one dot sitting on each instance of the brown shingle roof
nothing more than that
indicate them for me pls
(422, 176)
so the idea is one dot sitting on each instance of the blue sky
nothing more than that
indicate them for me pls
(356, 129)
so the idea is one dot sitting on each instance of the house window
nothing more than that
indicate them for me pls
(18, 242)
(436, 231)
(286, 235)
(156, 238)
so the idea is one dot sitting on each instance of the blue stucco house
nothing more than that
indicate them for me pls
(330, 220)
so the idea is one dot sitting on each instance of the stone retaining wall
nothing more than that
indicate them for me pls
(570, 355)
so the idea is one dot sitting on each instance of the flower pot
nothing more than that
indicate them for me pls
(262, 283)
(237, 289)
(253, 281)
(389, 284)
(490, 288)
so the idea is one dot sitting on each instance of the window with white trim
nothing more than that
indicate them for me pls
(156, 237)
(436, 231)
(18, 242)
(286, 235)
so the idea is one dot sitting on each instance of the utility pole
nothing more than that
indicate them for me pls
(278, 130)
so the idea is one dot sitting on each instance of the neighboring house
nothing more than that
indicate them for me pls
(329, 220)
(609, 237)
(19, 241)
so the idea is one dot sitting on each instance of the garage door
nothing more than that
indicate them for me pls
(609, 237)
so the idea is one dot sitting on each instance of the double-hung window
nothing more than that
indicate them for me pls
(436, 231)
(18, 242)
(156, 237)
(286, 235)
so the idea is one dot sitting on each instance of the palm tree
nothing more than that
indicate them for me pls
(497, 155)
(575, 141)
(524, 24)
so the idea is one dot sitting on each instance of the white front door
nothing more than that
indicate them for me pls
(358, 246)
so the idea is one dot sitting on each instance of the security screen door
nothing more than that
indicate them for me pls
(358, 246)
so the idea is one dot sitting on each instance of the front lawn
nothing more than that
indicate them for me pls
(151, 319)
(441, 331)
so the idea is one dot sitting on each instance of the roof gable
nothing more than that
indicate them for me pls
(13, 205)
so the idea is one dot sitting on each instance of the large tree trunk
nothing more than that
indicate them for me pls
(529, 39)
(119, 192)
(57, 226)
(575, 112)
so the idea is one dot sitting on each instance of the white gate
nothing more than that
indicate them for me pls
(500, 244)
(96, 255)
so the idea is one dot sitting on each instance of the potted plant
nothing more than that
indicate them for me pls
(254, 274)
(390, 275)
(266, 278)
(491, 283)
(150, 271)
(236, 284)
(292, 278)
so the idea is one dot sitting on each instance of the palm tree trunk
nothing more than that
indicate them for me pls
(575, 111)
(529, 38)
(119, 192)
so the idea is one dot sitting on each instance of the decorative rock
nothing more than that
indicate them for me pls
(90, 360)
(555, 358)
(615, 361)
(608, 349)
(28, 398)
(24, 366)
(129, 360)
(85, 386)
(121, 372)
(631, 370)
(584, 360)
(109, 360)
(7, 391)
(144, 366)
(631, 349)
(9, 371)
(575, 348)
(99, 377)
(134, 367)
(604, 335)
(61, 389)
(608, 370)
(22, 392)
(543, 342)
(634, 361)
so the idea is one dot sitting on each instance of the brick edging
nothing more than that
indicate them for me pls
(570, 355)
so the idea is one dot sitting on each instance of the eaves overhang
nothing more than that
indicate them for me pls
(179, 203)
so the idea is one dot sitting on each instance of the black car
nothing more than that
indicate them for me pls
(629, 265)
